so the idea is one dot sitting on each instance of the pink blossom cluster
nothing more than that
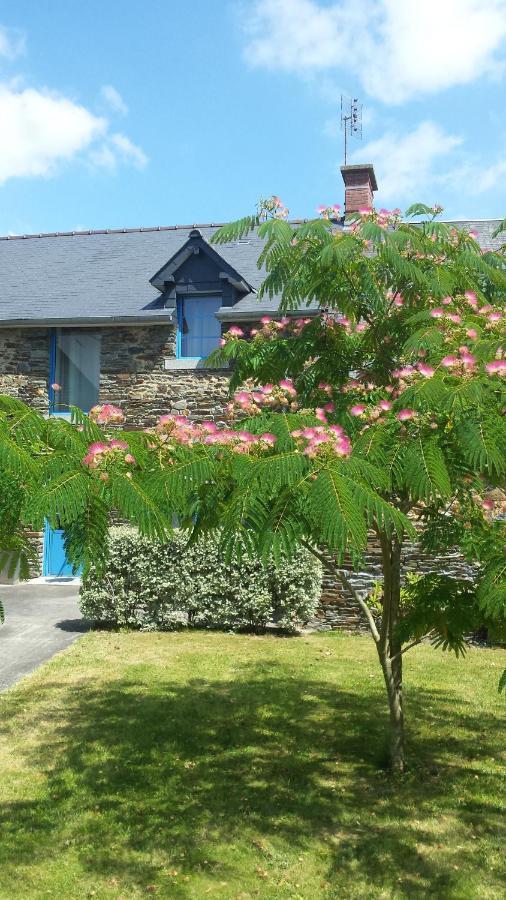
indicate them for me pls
(322, 440)
(100, 452)
(270, 329)
(272, 207)
(384, 218)
(179, 430)
(329, 212)
(455, 315)
(378, 411)
(106, 415)
(496, 367)
(338, 321)
(273, 397)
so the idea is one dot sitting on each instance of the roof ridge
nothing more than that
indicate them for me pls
(141, 229)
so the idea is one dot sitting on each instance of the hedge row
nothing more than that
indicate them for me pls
(153, 586)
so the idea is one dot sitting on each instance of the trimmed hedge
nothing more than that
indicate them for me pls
(154, 586)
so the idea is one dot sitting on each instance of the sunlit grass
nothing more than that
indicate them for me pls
(202, 764)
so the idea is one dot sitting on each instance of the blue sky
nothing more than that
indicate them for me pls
(156, 112)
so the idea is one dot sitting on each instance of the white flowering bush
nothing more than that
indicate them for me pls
(153, 585)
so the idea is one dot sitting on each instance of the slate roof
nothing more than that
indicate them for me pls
(103, 276)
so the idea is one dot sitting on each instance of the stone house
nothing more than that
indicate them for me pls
(128, 315)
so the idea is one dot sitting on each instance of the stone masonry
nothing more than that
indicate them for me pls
(24, 365)
(133, 376)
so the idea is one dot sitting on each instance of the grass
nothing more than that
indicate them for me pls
(199, 765)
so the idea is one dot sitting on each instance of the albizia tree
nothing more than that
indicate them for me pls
(380, 414)
(388, 411)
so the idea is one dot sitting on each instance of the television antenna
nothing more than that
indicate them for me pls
(351, 121)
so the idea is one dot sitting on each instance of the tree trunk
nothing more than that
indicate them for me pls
(390, 649)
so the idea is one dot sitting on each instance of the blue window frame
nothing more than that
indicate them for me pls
(198, 329)
(74, 369)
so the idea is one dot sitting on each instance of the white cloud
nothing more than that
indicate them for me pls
(396, 48)
(114, 99)
(118, 148)
(40, 129)
(12, 42)
(43, 129)
(404, 163)
(489, 177)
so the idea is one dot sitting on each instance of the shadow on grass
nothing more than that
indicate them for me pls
(139, 769)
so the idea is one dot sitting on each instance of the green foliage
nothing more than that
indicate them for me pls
(153, 585)
(443, 608)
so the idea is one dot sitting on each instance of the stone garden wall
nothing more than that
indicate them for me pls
(339, 609)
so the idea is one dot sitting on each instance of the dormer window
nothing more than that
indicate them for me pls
(198, 329)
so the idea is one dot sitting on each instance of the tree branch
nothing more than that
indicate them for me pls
(410, 646)
(340, 576)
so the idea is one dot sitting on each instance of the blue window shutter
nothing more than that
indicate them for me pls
(199, 331)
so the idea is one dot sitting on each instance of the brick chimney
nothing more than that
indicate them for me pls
(359, 184)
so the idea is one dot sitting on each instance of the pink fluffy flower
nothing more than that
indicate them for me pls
(449, 361)
(496, 367)
(97, 447)
(118, 445)
(425, 370)
(357, 410)
(106, 414)
(236, 331)
(437, 313)
(471, 297)
(268, 438)
(265, 320)
(488, 504)
(385, 405)
(404, 414)
(320, 414)
(495, 317)
(472, 333)
(288, 385)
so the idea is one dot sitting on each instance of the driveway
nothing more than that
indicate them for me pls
(40, 620)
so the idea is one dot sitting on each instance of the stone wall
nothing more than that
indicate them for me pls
(339, 609)
(24, 365)
(134, 377)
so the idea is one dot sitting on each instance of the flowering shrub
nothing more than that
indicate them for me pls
(107, 415)
(153, 585)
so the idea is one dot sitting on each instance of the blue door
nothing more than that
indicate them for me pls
(55, 561)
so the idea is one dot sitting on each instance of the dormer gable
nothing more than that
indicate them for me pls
(196, 267)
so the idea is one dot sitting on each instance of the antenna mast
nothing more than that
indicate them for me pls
(351, 121)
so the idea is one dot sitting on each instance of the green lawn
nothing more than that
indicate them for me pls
(199, 765)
